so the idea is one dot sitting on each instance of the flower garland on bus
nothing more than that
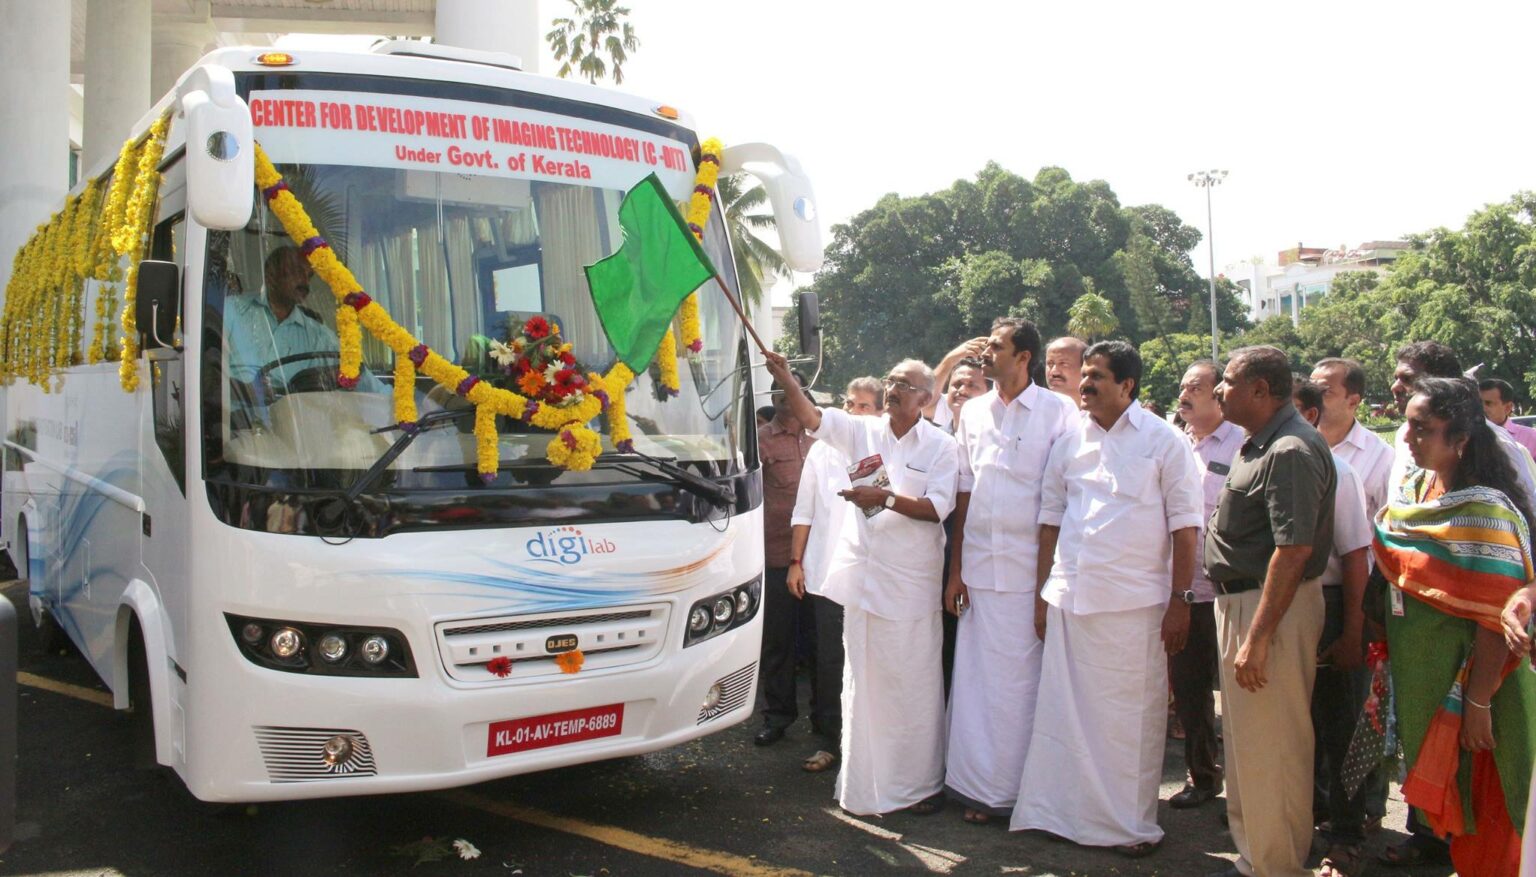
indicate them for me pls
(131, 237)
(699, 204)
(44, 314)
(575, 446)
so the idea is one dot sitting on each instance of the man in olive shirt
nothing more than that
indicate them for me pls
(1265, 549)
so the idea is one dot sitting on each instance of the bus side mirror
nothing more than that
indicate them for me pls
(221, 158)
(809, 308)
(789, 191)
(155, 304)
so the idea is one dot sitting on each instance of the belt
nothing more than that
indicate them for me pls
(1238, 586)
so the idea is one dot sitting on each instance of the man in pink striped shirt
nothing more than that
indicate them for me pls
(1499, 404)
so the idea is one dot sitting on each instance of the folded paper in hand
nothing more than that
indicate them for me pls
(870, 472)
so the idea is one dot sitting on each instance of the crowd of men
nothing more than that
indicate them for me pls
(1095, 560)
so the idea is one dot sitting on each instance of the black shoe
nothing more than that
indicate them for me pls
(1191, 796)
(768, 736)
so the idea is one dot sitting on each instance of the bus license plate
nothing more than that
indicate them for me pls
(554, 729)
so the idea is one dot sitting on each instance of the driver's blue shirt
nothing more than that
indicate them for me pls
(254, 337)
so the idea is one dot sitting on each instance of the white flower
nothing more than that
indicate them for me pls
(575, 397)
(502, 353)
(553, 370)
(465, 849)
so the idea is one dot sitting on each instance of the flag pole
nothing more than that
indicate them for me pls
(737, 308)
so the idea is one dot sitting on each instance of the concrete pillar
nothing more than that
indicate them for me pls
(34, 101)
(511, 26)
(116, 76)
(176, 46)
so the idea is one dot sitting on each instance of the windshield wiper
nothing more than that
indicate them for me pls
(717, 494)
(430, 421)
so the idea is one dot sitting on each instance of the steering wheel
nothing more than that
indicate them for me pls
(308, 380)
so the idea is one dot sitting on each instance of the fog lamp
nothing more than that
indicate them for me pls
(338, 749)
(251, 633)
(712, 697)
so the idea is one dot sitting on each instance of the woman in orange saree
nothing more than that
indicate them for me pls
(1454, 545)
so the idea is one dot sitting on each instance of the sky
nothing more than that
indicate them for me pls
(1338, 122)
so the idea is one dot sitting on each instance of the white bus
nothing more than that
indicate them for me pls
(294, 598)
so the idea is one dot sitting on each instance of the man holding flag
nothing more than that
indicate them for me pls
(885, 564)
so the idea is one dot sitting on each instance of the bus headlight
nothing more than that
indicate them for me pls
(326, 649)
(724, 611)
(333, 647)
(375, 649)
(286, 642)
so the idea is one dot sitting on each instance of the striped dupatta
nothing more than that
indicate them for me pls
(1464, 554)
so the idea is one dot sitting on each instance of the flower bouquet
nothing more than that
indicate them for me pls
(537, 363)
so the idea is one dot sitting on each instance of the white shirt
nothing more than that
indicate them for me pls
(1371, 458)
(889, 564)
(1215, 453)
(818, 506)
(1519, 458)
(1352, 528)
(1117, 497)
(1003, 449)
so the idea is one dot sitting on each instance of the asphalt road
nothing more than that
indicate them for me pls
(718, 805)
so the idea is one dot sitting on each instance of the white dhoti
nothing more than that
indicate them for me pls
(992, 699)
(1096, 756)
(893, 712)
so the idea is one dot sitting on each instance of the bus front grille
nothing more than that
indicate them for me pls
(298, 755)
(523, 648)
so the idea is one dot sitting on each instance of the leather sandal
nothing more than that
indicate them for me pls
(821, 761)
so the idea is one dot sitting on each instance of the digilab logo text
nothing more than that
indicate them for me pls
(567, 546)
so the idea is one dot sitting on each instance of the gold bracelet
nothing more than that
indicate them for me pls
(1471, 702)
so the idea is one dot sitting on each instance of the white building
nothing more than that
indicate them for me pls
(1302, 275)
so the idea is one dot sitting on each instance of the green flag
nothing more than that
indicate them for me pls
(638, 289)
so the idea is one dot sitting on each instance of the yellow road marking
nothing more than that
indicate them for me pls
(655, 847)
(79, 692)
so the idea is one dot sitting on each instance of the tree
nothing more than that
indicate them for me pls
(1276, 331)
(914, 276)
(594, 29)
(1092, 316)
(757, 262)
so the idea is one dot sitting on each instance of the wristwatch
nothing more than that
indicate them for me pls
(1187, 596)
(890, 500)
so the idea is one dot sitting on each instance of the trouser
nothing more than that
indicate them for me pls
(1268, 741)
(1337, 700)
(777, 662)
(1192, 673)
(951, 623)
(827, 678)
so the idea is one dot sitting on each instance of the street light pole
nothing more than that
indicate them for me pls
(1208, 180)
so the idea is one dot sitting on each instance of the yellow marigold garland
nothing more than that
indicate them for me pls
(575, 446)
(699, 204)
(135, 235)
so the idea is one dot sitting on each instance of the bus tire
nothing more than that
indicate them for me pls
(141, 713)
(51, 638)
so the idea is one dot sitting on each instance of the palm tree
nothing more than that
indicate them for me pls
(1092, 316)
(757, 263)
(595, 26)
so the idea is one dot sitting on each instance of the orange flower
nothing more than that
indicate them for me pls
(531, 383)
(570, 662)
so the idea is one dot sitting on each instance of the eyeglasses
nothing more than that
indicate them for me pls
(893, 383)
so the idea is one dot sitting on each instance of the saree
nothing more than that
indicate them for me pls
(1455, 559)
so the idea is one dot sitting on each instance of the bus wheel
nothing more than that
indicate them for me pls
(141, 714)
(51, 638)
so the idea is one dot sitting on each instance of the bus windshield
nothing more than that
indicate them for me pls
(461, 258)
